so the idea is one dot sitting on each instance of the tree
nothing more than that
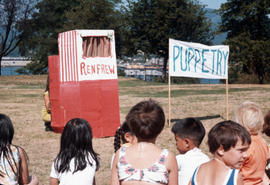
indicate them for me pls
(96, 14)
(55, 16)
(14, 15)
(42, 33)
(92, 14)
(248, 26)
(152, 22)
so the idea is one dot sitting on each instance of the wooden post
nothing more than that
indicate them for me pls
(169, 99)
(227, 99)
(169, 92)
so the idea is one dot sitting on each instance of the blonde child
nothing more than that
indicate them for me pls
(77, 162)
(250, 116)
(13, 159)
(189, 133)
(228, 142)
(143, 162)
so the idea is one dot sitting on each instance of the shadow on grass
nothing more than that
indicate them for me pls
(188, 92)
(201, 118)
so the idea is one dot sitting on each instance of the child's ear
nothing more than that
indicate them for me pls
(130, 138)
(127, 137)
(188, 142)
(220, 150)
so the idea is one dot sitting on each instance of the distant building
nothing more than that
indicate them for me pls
(9, 65)
(143, 72)
(140, 67)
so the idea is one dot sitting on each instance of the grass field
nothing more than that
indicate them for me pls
(21, 99)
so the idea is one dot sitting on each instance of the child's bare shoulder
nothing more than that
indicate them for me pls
(206, 168)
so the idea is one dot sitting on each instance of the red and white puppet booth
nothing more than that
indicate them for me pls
(83, 81)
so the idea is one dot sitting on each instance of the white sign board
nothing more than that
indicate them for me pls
(196, 60)
(74, 66)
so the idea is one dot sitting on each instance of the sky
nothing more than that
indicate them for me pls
(213, 4)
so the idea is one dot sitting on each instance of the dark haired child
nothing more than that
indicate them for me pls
(46, 110)
(189, 133)
(266, 124)
(250, 116)
(144, 162)
(228, 141)
(123, 137)
(76, 162)
(13, 159)
(266, 131)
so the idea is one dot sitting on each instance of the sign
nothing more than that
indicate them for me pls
(196, 60)
(77, 67)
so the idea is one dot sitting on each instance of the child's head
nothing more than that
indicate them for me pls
(6, 131)
(189, 133)
(229, 140)
(76, 142)
(266, 125)
(47, 84)
(124, 135)
(250, 116)
(6, 136)
(77, 133)
(146, 120)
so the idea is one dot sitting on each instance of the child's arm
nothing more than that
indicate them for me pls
(47, 102)
(94, 181)
(23, 170)
(114, 174)
(172, 167)
(34, 181)
(240, 179)
(54, 181)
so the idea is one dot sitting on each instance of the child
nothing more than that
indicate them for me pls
(13, 159)
(76, 162)
(250, 116)
(266, 125)
(144, 162)
(189, 133)
(266, 130)
(228, 142)
(46, 110)
(123, 135)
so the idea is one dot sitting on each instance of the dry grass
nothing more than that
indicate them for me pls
(21, 99)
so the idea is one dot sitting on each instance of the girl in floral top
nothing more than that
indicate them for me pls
(143, 163)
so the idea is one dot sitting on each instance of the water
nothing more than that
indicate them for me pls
(10, 70)
(209, 81)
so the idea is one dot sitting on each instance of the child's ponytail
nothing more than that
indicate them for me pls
(119, 136)
(117, 139)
